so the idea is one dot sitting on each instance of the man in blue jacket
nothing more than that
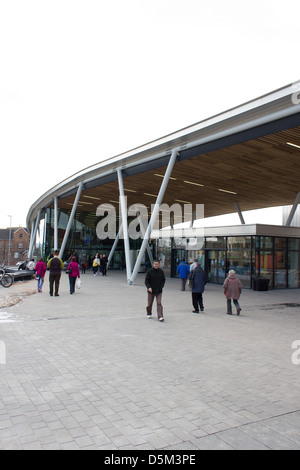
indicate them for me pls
(183, 270)
(198, 280)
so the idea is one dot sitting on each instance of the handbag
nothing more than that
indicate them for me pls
(78, 283)
(69, 271)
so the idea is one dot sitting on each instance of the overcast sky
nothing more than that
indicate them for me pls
(82, 81)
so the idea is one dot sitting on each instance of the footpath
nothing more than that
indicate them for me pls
(90, 371)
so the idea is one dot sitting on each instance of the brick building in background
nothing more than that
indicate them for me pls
(19, 240)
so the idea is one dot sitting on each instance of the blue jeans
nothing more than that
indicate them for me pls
(40, 284)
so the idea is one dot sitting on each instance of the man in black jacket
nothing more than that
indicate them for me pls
(155, 281)
(55, 265)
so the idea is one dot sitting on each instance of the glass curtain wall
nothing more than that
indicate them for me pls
(276, 258)
(294, 262)
(82, 239)
(239, 258)
(280, 263)
(264, 258)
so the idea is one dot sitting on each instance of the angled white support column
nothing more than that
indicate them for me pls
(31, 238)
(34, 232)
(63, 245)
(237, 206)
(124, 223)
(114, 245)
(44, 235)
(154, 214)
(55, 242)
(143, 232)
(293, 210)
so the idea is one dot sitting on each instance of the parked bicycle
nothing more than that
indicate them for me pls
(6, 279)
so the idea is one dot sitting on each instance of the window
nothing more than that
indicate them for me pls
(215, 242)
(294, 262)
(239, 258)
(280, 271)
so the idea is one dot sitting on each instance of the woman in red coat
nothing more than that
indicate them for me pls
(232, 289)
(74, 274)
(40, 271)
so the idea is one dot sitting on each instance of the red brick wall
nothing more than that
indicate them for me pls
(18, 237)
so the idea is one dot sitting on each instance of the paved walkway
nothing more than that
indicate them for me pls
(90, 371)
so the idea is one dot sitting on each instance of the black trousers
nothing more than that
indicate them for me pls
(197, 299)
(72, 281)
(54, 278)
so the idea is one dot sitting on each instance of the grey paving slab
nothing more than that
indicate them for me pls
(90, 371)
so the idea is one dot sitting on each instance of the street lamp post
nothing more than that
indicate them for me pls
(9, 243)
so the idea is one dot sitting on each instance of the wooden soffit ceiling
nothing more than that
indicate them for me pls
(262, 172)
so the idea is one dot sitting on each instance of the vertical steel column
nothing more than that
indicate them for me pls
(154, 213)
(125, 223)
(63, 245)
(44, 236)
(55, 242)
(293, 210)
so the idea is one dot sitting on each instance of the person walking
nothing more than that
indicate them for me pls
(198, 280)
(232, 290)
(83, 262)
(155, 281)
(40, 271)
(103, 262)
(96, 264)
(55, 265)
(183, 270)
(74, 273)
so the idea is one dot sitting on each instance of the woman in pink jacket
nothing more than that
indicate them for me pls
(232, 289)
(40, 271)
(74, 274)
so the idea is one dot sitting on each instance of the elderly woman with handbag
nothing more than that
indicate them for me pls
(73, 271)
(232, 291)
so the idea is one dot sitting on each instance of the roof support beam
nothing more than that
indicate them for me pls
(293, 210)
(73, 212)
(143, 232)
(55, 225)
(33, 234)
(123, 202)
(114, 244)
(154, 214)
(237, 206)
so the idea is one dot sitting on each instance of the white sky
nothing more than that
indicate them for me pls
(82, 81)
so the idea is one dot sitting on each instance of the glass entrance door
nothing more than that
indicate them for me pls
(215, 265)
(177, 255)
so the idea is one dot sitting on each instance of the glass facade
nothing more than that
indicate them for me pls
(293, 262)
(83, 239)
(271, 257)
(274, 258)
